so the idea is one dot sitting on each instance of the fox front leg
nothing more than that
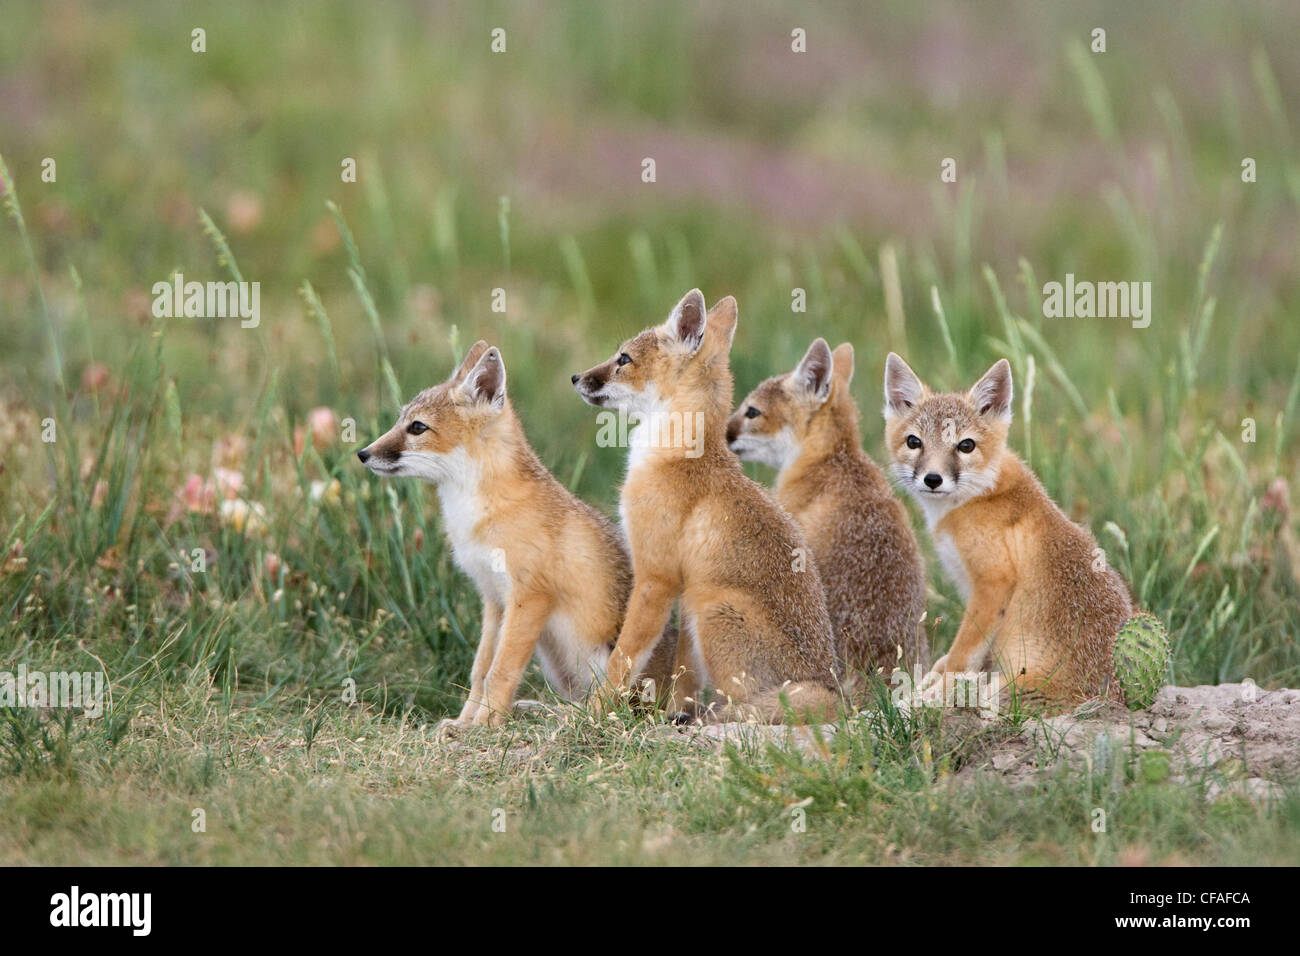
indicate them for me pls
(973, 637)
(521, 625)
(647, 614)
(487, 645)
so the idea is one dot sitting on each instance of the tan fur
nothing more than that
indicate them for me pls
(805, 424)
(1041, 605)
(702, 532)
(553, 572)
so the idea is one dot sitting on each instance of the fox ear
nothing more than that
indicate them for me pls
(991, 395)
(903, 390)
(486, 381)
(722, 318)
(469, 361)
(842, 360)
(687, 320)
(813, 373)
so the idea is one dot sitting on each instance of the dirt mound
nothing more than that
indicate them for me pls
(1247, 737)
(1237, 737)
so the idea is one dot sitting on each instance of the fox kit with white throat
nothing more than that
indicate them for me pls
(754, 625)
(553, 572)
(1041, 603)
(805, 425)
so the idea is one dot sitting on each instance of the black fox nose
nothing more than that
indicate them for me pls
(933, 480)
(575, 378)
(364, 455)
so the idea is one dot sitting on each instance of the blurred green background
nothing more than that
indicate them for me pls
(775, 170)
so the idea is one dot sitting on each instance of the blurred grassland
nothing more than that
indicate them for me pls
(522, 171)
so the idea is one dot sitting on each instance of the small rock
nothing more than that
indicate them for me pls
(1004, 762)
(1217, 722)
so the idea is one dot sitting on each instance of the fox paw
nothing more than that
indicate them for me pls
(936, 669)
(488, 717)
(449, 728)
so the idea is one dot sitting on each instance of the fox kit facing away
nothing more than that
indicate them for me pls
(805, 424)
(1041, 604)
(753, 619)
(552, 572)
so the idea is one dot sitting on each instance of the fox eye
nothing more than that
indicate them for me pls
(966, 446)
(417, 428)
(624, 358)
(913, 441)
(752, 412)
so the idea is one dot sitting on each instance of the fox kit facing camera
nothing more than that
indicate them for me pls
(1040, 605)
(805, 425)
(754, 625)
(552, 571)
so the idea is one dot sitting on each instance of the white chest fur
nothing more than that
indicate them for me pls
(639, 452)
(651, 428)
(462, 511)
(950, 558)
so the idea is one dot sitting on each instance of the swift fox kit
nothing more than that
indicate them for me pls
(753, 619)
(553, 573)
(805, 425)
(1041, 605)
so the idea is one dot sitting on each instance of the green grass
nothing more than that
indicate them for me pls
(522, 172)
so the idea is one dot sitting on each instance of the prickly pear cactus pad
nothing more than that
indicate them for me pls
(1141, 659)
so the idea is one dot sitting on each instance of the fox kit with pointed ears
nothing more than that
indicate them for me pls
(754, 624)
(553, 573)
(1041, 603)
(805, 425)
